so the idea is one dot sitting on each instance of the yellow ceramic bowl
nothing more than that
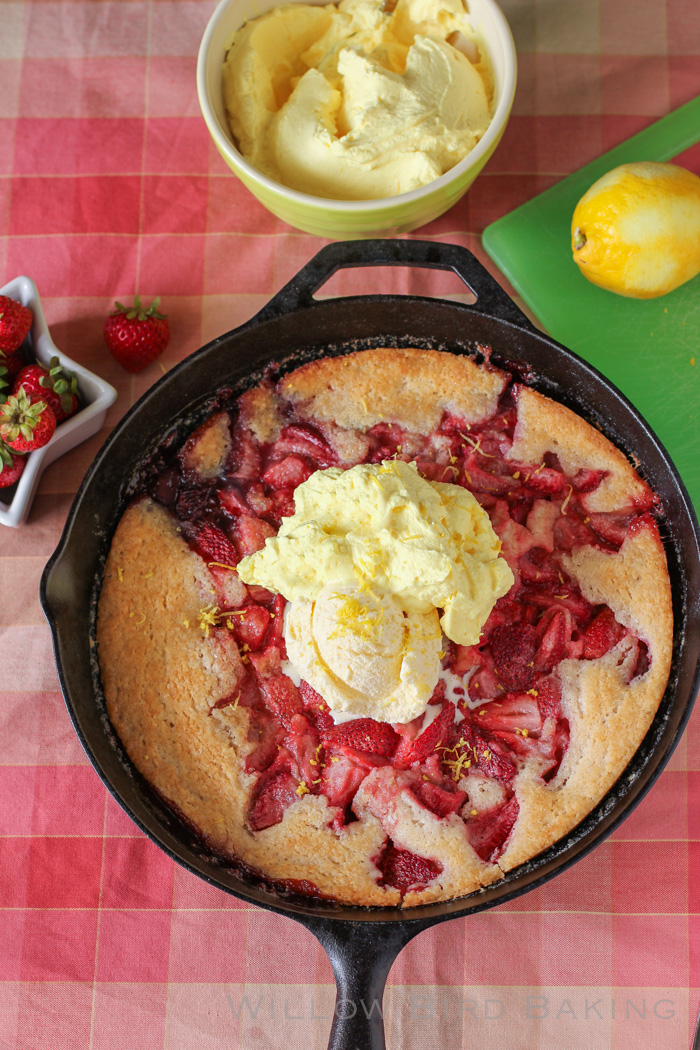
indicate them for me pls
(349, 219)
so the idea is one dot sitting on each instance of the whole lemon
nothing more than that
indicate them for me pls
(637, 229)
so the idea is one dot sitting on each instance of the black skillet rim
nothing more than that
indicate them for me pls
(599, 823)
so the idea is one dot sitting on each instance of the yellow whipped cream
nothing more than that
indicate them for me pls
(363, 654)
(385, 529)
(353, 102)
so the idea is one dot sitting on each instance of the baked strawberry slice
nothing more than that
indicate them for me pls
(250, 625)
(304, 440)
(488, 756)
(602, 633)
(612, 526)
(275, 633)
(281, 696)
(267, 663)
(249, 534)
(549, 697)
(557, 626)
(513, 648)
(303, 744)
(214, 545)
(267, 735)
(439, 800)
(343, 772)
(232, 500)
(538, 566)
(586, 480)
(438, 734)
(246, 460)
(570, 532)
(272, 797)
(364, 734)
(406, 871)
(546, 481)
(258, 501)
(489, 831)
(515, 721)
(316, 708)
(288, 472)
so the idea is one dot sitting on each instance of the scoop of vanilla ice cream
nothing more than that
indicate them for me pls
(363, 653)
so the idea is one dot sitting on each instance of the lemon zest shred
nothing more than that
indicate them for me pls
(302, 788)
(120, 574)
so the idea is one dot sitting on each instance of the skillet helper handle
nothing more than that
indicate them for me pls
(361, 956)
(433, 255)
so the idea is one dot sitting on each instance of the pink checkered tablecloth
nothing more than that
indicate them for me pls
(110, 185)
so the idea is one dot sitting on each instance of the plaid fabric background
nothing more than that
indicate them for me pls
(110, 185)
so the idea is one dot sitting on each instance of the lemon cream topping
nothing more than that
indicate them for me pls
(366, 561)
(356, 102)
(386, 529)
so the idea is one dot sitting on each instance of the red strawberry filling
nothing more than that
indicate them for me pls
(296, 749)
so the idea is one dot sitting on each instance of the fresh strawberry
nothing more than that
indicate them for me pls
(135, 335)
(214, 545)
(11, 466)
(364, 734)
(405, 870)
(437, 734)
(25, 426)
(15, 322)
(274, 795)
(488, 831)
(288, 472)
(602, 633)
(513, 647)
(54, 385)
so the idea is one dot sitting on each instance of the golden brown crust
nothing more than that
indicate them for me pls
(405, 386)
(206, 451)
(608, 714)
(162, 678)
(546, 426)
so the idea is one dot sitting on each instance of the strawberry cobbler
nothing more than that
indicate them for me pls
(523, 724)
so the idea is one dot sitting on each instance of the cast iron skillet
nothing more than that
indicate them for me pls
(362, 944)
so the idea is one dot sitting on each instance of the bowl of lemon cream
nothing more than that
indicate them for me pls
(359, 118)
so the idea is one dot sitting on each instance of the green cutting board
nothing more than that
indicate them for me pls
(644, 346)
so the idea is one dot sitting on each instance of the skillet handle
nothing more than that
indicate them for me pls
(434, 255)
(361, 955)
